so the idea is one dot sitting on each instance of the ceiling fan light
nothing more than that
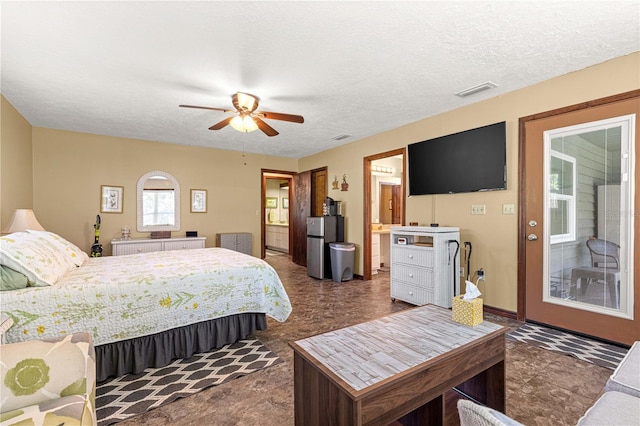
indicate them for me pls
(247, 101)
(244, 124)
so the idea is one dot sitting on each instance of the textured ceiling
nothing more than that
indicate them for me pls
(356, 68)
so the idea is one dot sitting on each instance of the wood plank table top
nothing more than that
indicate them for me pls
(365, 354)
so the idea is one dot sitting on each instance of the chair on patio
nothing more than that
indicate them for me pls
(604, 253)
(605, 266)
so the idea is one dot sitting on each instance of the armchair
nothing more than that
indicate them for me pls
(605, 266)
(48, 382)
(604, 253)
(472, 414)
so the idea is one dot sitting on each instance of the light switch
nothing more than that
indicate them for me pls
(478, 209)
(508, 209)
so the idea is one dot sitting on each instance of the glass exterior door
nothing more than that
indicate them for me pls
(588, 244)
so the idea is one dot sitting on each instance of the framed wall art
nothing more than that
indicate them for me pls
(111, 198)
(198, 201)
(271, 202)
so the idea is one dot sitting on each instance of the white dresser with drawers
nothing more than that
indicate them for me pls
(425, 264)
(147, 245)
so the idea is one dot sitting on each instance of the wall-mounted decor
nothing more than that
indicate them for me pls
(271, 202)
(198, 201)
(345, 185)
(285, 203)
(335, 183)
(111, 199)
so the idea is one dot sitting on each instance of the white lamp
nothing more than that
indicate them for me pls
(244, 123)
(22, 220)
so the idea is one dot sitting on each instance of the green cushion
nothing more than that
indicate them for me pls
(11, 279)
(37, 371)
(73, 410)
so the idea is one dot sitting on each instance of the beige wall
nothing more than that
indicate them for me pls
(70, 167)
(16, 171)
(494, 235)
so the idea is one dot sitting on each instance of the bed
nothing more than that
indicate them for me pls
(143, 310)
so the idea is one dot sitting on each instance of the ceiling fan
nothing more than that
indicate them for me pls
(246, 118)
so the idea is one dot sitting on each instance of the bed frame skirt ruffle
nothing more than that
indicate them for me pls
(157, 350)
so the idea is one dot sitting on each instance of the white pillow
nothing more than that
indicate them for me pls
(75, 255)
(35, 256)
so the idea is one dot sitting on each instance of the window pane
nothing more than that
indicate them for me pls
(559, 217)
(158, 207)
(561, 176)
(589, 177)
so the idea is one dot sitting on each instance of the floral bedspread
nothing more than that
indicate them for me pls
(122, 297)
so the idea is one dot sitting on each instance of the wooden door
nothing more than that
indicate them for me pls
(397, 204)
(386, 203)
(299, 210)
(563, 161)
(318, 190)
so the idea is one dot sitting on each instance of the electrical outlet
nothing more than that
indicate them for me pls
(508, 209)
(480, 273)
(478, 209)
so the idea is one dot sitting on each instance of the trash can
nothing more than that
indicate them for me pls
(342, 259)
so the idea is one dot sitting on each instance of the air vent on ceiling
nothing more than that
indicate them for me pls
(476, 89)
(340, 137)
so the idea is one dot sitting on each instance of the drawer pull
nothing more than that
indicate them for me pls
(139, 250)
(410, 293)
(410, 275)
(410, 256)
(184, 247)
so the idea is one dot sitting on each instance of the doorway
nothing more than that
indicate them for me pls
(276, 224)
(384, 196)
(578, 192)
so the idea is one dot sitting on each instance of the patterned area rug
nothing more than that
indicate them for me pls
(134, 394)
(598, 353)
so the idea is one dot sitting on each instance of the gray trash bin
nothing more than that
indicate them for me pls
(342, 259)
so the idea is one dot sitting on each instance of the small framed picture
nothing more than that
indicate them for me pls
(271, 202)
(198, 201)
(285, 203)
(111, 198)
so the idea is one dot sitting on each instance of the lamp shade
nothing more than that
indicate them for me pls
(22, 220)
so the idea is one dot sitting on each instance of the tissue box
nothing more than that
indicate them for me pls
(468, 312)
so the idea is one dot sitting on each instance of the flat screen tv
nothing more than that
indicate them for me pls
(469, 161)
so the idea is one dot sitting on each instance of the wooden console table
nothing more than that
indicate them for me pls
(397, 368)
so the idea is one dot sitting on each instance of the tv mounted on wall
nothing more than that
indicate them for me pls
(469, 161)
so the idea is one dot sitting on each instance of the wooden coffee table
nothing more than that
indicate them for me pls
(397, 367)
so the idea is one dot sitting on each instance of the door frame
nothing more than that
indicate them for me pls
(522, 220)
(366, 250)
(273, 174)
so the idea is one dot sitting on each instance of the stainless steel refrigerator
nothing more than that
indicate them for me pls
(322, 230)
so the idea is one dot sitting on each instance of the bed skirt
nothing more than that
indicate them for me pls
(157, 350)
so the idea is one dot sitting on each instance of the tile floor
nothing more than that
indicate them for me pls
(543, 387)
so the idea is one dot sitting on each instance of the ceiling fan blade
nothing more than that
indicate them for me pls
(203, 107)
(221, 124)
(279, 116)
(268, 130)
